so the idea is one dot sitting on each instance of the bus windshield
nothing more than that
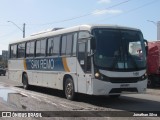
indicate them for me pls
(119, 49)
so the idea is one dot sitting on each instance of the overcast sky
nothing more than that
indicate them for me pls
(41, 15)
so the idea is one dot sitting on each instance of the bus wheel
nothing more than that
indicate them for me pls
(25, 81)
(69, 89)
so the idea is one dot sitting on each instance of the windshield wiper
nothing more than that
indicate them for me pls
(117, 55)
(133, 61)
(114, 62)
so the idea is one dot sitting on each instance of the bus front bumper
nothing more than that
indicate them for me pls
(107, 88)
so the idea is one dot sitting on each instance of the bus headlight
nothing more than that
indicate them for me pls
(97, 75)
(143, 77)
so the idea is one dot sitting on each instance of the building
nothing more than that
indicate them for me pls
(4, 55)
(158, 30)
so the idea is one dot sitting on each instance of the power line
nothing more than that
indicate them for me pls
(81, 16)
(134, 9)
(77, 17)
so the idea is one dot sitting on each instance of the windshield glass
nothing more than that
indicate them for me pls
(119, 49)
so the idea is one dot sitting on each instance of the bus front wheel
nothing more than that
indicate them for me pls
(69, 89)
(25, 81)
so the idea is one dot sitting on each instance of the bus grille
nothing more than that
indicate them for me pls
(124, 80)
(120, 90)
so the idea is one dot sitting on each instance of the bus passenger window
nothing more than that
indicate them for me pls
(30, 49)
(63, 49)
(13, 51)
(50, 46)
(53, 46)
(69, 45)
(74, 44)
(21, 50)
(88, 57)
(81, 55)
(40, 48)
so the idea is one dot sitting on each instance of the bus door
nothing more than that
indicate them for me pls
(83, 66)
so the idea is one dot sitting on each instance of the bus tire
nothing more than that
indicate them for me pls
(69, 89)
(25, 81)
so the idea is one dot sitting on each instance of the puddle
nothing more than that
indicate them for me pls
(4, 93)
(12, 97)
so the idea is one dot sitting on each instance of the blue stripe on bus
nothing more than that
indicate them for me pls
(45, 64)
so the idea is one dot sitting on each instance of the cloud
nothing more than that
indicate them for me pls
(101, 12)
(104, 1)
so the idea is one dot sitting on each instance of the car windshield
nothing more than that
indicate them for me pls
(119, 49)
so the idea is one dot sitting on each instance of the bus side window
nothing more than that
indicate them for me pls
(13, 51)
(53, 46)
(74, 44)
(30, 49)
(41, 48)
(66, 47)
(88, 57)
(82, 55)
(69, 45)
(50, 46)
(63, 46)
(21, 50)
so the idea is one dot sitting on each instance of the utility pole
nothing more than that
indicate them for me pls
(24, 26)
(157, 25)
(23, 30)
(158, 30)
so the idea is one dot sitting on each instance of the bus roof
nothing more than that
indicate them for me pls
(70, 29)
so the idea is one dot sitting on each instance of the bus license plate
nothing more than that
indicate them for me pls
(124, 85)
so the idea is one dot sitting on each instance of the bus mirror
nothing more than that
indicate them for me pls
(146, 46)
(93, 43)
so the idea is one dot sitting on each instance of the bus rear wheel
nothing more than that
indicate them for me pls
(25, 81)
(69, 89)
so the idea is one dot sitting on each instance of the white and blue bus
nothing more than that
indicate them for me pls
(90, 59)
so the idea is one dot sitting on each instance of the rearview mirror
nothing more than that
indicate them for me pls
(146, 46)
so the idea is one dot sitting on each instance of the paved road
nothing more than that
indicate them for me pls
(13, 97)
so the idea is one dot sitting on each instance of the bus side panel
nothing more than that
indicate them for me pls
(37, 78)
(71, 63)
(15, 75)
(15, 70)
(52, 80)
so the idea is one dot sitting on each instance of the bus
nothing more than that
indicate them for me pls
(88, 59)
